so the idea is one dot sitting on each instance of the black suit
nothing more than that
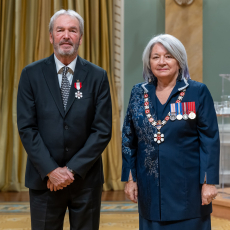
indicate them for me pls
(55, 138)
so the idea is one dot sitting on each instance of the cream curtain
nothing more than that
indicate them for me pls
(24, 38)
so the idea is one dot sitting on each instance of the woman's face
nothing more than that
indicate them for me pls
(162, 63)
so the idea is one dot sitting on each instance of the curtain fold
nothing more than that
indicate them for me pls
(24, 38)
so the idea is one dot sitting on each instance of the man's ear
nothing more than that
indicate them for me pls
(80, 40)
(51, 38)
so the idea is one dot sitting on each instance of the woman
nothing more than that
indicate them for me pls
(170, 143)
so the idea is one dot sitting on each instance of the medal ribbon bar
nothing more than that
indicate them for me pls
(193, 106)
(173, 108)
(78, 85)
(192, 110)
(179, 111)
(184, 108)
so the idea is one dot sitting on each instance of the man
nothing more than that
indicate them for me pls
(64, 121)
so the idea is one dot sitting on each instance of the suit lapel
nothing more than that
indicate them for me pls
(50, 73)
(80, 73)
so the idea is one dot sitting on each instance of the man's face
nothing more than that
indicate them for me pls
(66, 36)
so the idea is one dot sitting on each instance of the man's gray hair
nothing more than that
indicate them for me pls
(71, 13)
(174, 47)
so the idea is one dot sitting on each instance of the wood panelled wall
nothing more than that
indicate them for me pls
(186, 24)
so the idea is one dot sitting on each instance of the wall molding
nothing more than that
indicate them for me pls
(119, 54)
(184, 2)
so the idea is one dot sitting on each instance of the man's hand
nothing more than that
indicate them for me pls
(208, 193)
(131, 190)
(66, 171)
(60, 177)
(52, 187)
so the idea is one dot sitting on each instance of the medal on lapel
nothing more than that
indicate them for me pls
(184, 107)
(179, 111)
(78, 86)
(192, 110)
(159, 137)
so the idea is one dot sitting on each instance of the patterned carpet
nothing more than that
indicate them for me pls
(114, 216)
(23, 207)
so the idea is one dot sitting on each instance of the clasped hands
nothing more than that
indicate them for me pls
(59, 178)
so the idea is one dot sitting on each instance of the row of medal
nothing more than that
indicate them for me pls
(184, 110)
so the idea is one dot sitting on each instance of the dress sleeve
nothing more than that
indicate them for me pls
(209, 138)
(129, 146)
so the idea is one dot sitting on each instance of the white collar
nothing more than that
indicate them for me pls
(59, 64)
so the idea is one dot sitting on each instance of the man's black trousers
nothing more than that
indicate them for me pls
(48, 208)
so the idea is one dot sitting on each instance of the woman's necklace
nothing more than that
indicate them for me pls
(159, 137)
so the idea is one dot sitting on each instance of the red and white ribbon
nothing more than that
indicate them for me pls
(78, 85)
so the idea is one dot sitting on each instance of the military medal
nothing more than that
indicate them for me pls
(159, 137)
(192, 115)
(78, 94)
(179, 111)
(192, 110)
(78, 86)
(173, 112)
(184, 107)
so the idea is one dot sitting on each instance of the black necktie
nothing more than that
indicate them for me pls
(65, 87)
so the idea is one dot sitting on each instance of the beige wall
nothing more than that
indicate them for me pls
(186, 24)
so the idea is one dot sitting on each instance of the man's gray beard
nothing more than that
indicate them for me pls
(67, 53)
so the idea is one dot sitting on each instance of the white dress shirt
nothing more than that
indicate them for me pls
(69, 75)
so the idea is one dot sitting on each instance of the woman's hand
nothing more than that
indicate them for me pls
(208, 193)
(131, 190)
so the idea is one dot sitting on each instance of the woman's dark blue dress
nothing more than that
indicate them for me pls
(201, 223)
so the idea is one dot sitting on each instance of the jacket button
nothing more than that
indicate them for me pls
(66, 127)
(66, 149)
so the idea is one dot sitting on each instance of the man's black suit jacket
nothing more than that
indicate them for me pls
(53, 138)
